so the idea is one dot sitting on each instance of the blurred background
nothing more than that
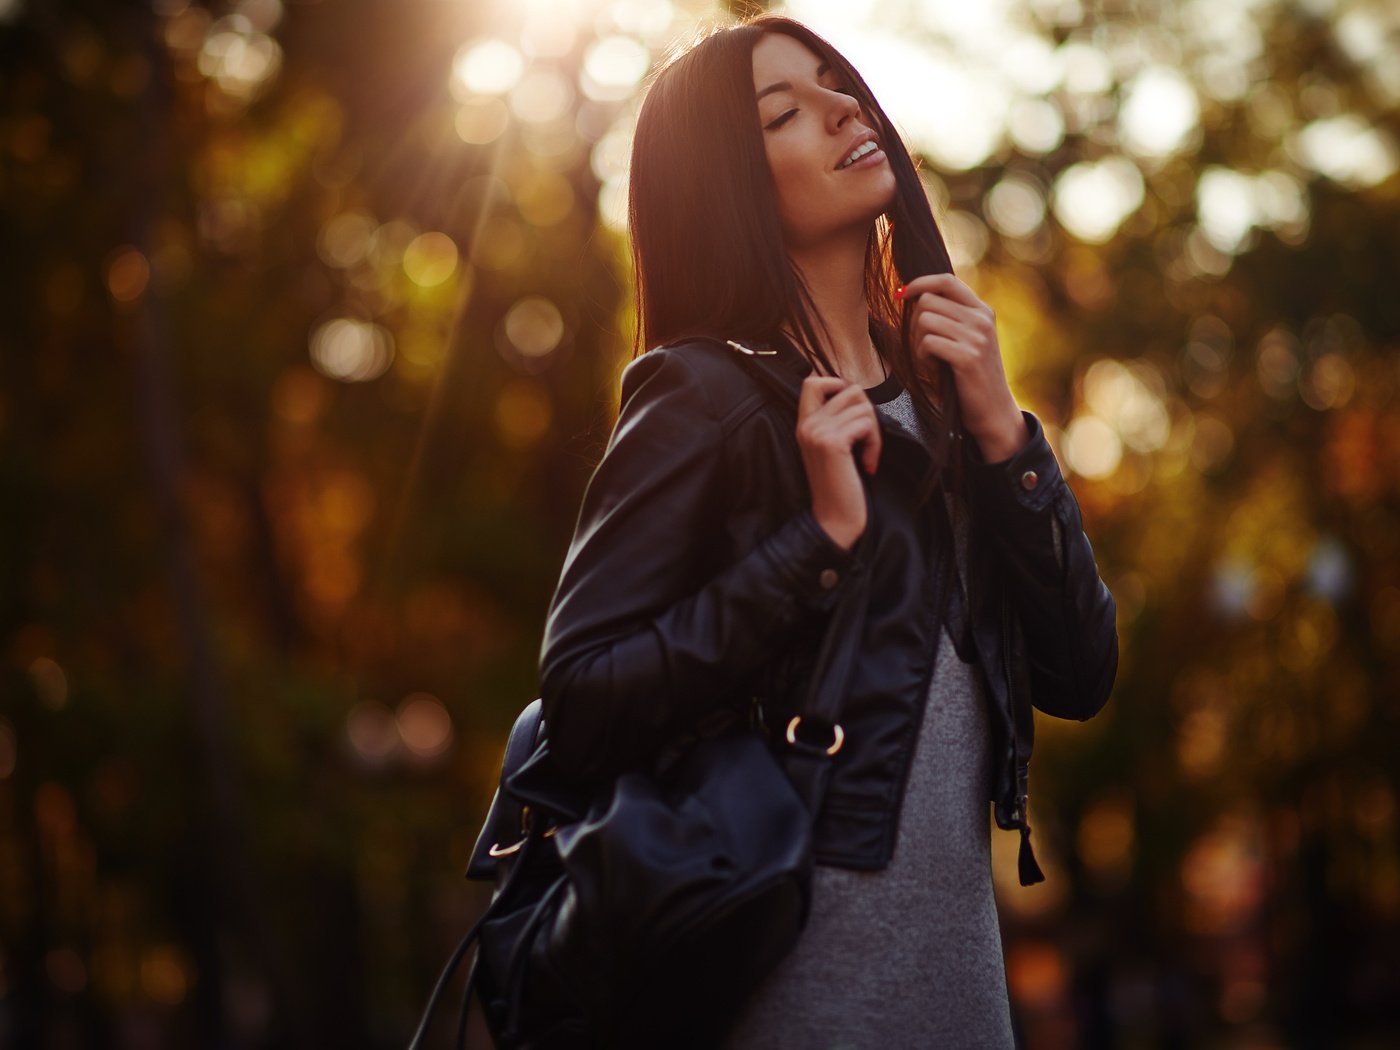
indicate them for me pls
(313, 314)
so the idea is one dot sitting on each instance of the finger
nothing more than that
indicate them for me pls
(870, 455)
(842, 419)
(975, 332)
(943, 305)
(862, 428)
(942, 284)
(871, 445)
(854, 414)
(852, 394)
(824, 384)
(950, 346)
(816, 391)
(953, 351)
(837, 428)
(931, 323)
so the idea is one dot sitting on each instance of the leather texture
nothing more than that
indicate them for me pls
(698, 578)
(650, 911)
(681, 894)
(651, 918)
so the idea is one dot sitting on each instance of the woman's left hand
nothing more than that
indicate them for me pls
(951, 324)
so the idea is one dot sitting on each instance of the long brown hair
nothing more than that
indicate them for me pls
(707, 243)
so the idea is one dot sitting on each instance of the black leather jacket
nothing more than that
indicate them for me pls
(697, 578)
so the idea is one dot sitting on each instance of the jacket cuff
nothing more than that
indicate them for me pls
(810, 562)
(1027, 482)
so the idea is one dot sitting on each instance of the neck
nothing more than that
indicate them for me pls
(835, 274)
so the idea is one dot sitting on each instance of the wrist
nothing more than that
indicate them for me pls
(1009, 436)
(842, 536)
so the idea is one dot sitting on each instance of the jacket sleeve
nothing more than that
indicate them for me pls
(1067, 615)
(648, 628)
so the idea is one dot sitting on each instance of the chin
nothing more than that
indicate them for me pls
(891, 194)
(886, 206)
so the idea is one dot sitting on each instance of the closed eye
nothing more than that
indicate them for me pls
(844, 89)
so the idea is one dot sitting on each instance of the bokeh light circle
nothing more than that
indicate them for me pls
(967, 238)
(1159, 113)
(534, 326)
(351, 351)
(1035, 125)
(424, 725)
(1226, 207)
(1015, 206)
(128, 274)
(1126, 396)
(345, 239)
(1092, 198)
(1347, 150)
(613, 67)
(1092, 447)
(488, 67)
(481, 119)
(541, 96)
(372, 733)
(430, 259)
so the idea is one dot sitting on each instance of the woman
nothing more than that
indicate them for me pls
(773, 205)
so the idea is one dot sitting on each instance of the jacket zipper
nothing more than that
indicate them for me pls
(1026, 866)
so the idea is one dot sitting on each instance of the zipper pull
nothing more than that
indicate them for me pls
(1026, 866)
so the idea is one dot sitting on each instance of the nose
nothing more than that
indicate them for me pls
(841, 109)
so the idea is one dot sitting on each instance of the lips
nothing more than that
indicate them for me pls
(859, 140)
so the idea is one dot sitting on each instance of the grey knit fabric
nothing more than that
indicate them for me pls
(909, 956)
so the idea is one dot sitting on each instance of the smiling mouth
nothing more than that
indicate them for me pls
(858, 153)
(864, 157)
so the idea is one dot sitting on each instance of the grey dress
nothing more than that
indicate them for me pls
(909, 956)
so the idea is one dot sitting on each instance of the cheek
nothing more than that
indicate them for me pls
(792, 176)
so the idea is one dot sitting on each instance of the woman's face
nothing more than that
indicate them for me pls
(810, 127)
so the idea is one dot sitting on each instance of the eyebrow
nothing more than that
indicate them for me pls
(783, 85)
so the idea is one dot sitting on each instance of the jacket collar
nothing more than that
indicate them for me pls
(795, 367)
(779, 350)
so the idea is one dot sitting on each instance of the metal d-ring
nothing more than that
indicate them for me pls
(497, 850)
(838, 735)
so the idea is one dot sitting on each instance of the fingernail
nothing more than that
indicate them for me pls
(899, 293)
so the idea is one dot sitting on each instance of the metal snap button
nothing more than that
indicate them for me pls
(828, 578)
(1029, 480)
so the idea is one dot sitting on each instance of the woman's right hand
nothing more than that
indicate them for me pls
(833, 415)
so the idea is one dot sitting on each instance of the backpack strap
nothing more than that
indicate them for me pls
(504, 824)
(808, 767)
